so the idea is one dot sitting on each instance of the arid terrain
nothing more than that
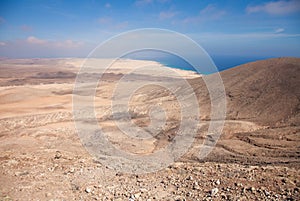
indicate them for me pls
(256, 158)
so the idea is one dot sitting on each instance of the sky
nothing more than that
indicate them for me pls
(56, 28)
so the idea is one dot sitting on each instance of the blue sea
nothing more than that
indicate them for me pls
(222, 62)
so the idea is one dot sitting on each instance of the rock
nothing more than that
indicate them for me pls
(72, 170)
(224, 196)
(179, 198)
(12, 162)
(218, 182)
(238, 184)
(196, 186)
(18, 174)
(58, 155)
(48, 194)
(214, 192)
(252, 189)
(137, 195)
(143, 190)
(74, 187)
(190, 178)
(88, 189)
(267, 193)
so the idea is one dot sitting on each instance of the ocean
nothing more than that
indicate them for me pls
(222, 62)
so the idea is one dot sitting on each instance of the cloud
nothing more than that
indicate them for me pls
(279, 30)
(242, 36)
(143, 2)
(34, 40)
(212, 12)
(47, 43)
(36, 47)
(107, 5)
(111, 24)
(164, 1)
(209, 13)
(167, 14)
(69, 44)
(105, 20)
(121, 25)
(276, 7)
(26, 28)
(2, 20)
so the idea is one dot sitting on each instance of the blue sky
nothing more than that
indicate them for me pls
(73, 28)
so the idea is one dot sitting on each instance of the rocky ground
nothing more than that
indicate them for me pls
(63, 176)
(42, 157)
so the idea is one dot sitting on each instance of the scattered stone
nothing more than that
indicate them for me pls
(18, 174)
(88, 190)
(72, 170)
(143, 190)
(137, 195)
(252, 189)
(190, 178)
(239, 184)
(48, 194)
(214, 192)
(179, 198)
(74, 187)
(267, 193)
(58, 155)
(218, 182)
(223, 196)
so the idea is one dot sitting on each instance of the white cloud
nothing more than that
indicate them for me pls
(209, 13)
(208, 9)
(279, 30)
(164, 1)
(26, 28)
(34, 40)
(107, 5)
(212, 12)
(36, 47)
(167, 14)
(121, 25)
(276, 7)
(2, 20)
(69, 44)
(242, 36)
(47, 43)
(105, 20)
(111, 24)
(143, 2)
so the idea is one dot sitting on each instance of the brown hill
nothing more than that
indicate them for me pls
(263, 119)
(266, 92)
